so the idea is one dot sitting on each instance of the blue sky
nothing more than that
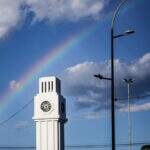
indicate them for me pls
(29, 29)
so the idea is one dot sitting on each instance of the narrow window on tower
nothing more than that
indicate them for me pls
(45, 87)
(52, 85)
(49, 88)
(42, 87)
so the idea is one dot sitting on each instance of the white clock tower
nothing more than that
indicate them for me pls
(49, 115)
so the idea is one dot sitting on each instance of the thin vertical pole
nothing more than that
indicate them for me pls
(112, 92)
(129, 116)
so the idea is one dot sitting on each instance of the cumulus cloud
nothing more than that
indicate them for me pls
(137, 107)
(79, 82)
(92, 115)
(55, 10)
(22, 124)
(10, 15)
(13, 12)
(14, 85)
(89, 92)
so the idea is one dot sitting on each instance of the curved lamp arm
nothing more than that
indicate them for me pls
(116, 12)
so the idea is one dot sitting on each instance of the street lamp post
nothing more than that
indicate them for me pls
(113, 37)
(129, 82)
(99, 76)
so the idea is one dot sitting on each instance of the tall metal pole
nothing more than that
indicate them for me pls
(129, 119)
(129, 82)
(113, 37)
(113, 139)
(112, 93)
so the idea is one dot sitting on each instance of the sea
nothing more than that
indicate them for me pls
(135, 147)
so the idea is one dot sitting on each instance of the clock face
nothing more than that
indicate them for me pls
(46, 106)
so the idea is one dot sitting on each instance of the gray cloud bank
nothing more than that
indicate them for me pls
(89, 92)
(13, 12)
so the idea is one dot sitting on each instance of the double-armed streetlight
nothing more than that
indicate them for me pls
(113, 37)
(129, 82)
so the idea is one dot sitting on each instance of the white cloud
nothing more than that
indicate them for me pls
(13, 12)
(82, 74)
(89, 92)
(22, 124)
(10, 15)
(56, 10)
(14, 85)
(89, 115)
(83, 85)
(92, 115)
(137, 107)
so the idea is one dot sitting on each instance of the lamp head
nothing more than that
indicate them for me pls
(130, 80)
(98, 76)
(128, 32)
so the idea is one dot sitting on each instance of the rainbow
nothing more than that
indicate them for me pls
(45, 62)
